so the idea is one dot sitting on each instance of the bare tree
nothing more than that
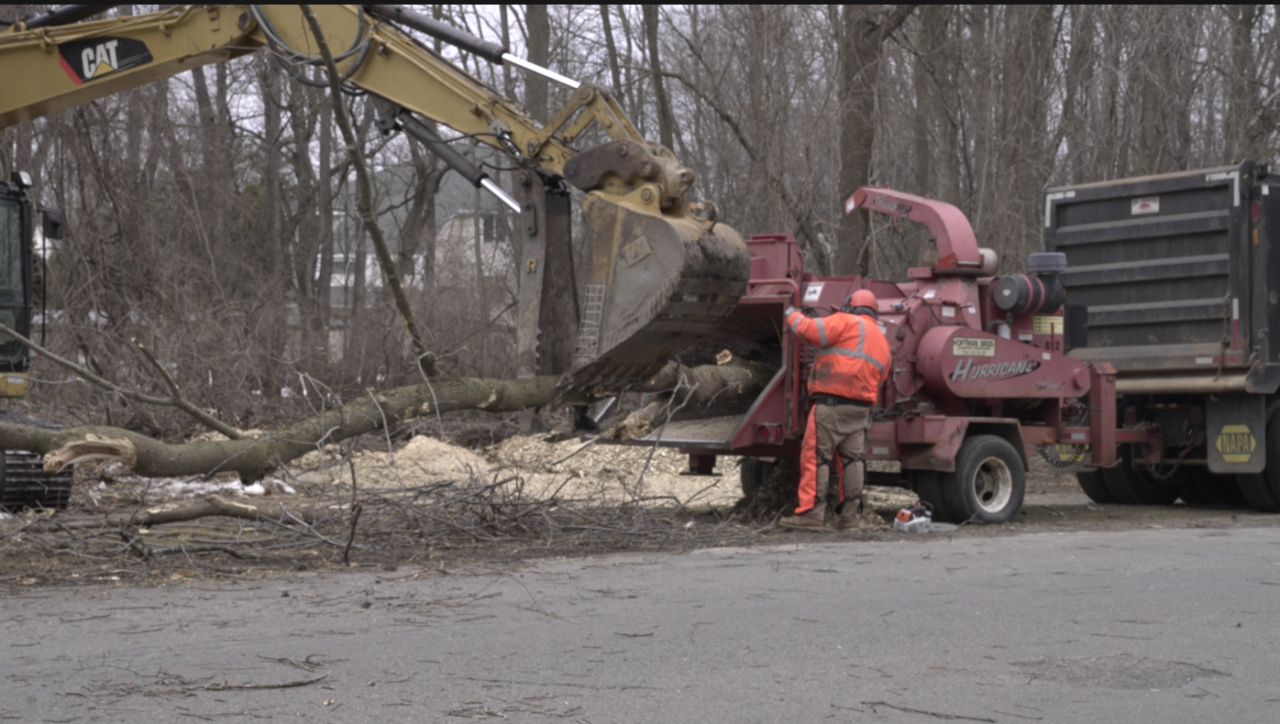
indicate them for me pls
(863, 33)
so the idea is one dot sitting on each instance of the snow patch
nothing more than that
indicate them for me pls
(195, 487)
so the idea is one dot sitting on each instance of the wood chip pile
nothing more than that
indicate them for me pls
(611, 473)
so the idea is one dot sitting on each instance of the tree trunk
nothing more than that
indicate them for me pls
(482, 319)
(254, 458)
(1076, 106)
(322, 291)
(1021, 159)
(614, 73)
(1242, 94)
(931, 125)
(535, 95)
(666, 122)
(862, 37)
(269, 227)
(504, 16)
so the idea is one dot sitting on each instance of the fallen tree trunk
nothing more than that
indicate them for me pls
(255, 457)
(182, 511)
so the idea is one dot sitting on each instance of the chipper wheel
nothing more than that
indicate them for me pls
(988, 484)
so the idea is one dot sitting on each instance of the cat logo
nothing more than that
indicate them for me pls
(86, 60)
(1236, 443)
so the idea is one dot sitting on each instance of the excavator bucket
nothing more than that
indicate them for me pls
(658, 283)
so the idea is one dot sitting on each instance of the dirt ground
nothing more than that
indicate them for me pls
(433, 503)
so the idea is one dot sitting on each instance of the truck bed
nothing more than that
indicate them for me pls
(1176, 271)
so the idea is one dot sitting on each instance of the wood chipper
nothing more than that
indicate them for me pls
(980, 376)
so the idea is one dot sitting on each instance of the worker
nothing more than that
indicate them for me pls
(851, 362)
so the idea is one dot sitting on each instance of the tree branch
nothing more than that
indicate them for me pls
(175, 400)
(797, 212)
(364, 203)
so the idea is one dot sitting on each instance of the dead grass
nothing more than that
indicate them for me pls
(430, 503)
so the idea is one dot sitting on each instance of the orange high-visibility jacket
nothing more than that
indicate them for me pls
(853, 355)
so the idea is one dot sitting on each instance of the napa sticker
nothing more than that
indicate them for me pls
(969, 347)
(1236, 443)
(86, 60)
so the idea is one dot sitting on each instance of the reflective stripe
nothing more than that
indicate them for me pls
(795, 322)
(822, 333)
(852, 353)
(856, 352)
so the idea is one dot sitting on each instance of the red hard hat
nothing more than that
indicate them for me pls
(863, 298)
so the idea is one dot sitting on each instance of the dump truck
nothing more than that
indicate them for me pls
(1177, 278)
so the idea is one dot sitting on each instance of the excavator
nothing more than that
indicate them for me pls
(23, 482)
(663, 270)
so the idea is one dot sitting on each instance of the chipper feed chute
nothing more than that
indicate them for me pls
(658, 282)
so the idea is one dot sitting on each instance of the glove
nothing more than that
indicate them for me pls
(789, 310)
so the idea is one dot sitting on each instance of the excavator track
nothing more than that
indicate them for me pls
(24, 484)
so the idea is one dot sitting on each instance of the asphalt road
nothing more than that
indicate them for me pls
(1152, 625)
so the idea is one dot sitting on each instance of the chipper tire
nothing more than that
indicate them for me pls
(989, 483)
(755, 474)
(929, 485)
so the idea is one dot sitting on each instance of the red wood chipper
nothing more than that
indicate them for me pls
(980, 378)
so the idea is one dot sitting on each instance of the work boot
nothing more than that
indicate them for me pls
(812, 519)
(850, 514)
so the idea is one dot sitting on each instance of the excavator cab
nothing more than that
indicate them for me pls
(15, 280)
(23, 482)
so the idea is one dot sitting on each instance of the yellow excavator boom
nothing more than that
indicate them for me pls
(660, 276)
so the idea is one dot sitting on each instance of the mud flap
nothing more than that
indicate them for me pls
(1237, 433)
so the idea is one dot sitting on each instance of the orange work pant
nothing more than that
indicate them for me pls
(839, 430)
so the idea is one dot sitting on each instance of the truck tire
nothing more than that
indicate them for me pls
(988, 484)
(1262, 490)
(1095, 486)
(1202, 487)
(1130, 486)
(1256, 489)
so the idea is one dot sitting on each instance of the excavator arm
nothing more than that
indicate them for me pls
(660, 276)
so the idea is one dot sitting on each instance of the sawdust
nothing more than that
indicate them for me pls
(574, 469)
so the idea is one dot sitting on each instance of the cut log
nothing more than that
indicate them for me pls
(183, 511)
(91, 447)
(254, 457)
(731, 379)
